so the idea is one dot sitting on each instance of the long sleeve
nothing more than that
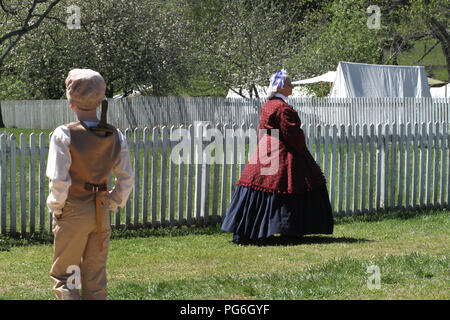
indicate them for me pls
(58, 164)
(123, 177)
(291, 131)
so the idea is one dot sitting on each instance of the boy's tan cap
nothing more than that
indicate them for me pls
(85, 88)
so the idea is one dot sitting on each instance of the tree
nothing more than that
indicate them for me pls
(133, 44)
(339, 32)
(18, 19)
(428, 19)
(240, 43)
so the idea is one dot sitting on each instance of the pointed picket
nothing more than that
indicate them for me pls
(13, 179)
(3, 182)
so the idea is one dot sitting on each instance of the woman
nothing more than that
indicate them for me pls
(282, 190)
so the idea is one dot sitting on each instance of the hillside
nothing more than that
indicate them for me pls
(434, 61)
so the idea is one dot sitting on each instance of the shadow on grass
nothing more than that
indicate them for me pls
(179, 231)
(306, 240)
(18, 240)
(45, 238)
(381, 215)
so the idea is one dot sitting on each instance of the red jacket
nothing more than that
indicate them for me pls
(288, 168)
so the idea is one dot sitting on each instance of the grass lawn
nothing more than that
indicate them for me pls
(410, 248)
(434, 61)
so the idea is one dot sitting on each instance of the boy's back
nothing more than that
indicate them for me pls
(79, 165)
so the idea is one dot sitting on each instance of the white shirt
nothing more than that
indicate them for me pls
(60, 160)
(279, 95)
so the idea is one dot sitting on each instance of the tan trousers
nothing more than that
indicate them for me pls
(76, 244)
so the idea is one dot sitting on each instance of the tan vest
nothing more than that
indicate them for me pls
(93, 156)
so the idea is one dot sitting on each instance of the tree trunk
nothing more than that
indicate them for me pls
(109, 91)
(439, 31)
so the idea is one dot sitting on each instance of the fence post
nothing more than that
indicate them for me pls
(162, 195)
(32, 183)
(372, 159)
(333, 168)
(379, 167)
(326, 146)
(223, 189)
(171, 179)
(436, 139)
(147, 145)
(183, 160)
(400, 184)
(198, 134)
(137, 184)
(356, 170)
(22, 172)
(348, 168)
(3, 181)
(218, 156)
(341, 174)
(13, 178)
(155, 146)
(233, 159)
(448, 168)
(385, 167)
(429, 171)
(190, 174)
(128, 203)
(205, 177)
(444, 159)
(393, 166)
(42, 178)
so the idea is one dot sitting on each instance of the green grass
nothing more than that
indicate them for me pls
(410, 248)
(434, 61)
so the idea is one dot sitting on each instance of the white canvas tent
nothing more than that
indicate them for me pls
(330, 76)
(441, 92)
(370, 80)
(326, 77)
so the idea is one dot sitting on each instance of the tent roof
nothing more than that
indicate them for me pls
(372, 80)
(326, 77)
(435, 83)
(440, 92)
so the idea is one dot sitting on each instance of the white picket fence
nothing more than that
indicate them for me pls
(368, 168)
(150, 111)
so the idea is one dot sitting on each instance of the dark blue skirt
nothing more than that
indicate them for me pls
(254, 214)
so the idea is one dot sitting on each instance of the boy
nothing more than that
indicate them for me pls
(80, 160)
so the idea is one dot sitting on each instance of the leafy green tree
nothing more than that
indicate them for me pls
(427, 19)
(133, 44)
(17, 19)
(239, 43)
(339, 32)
